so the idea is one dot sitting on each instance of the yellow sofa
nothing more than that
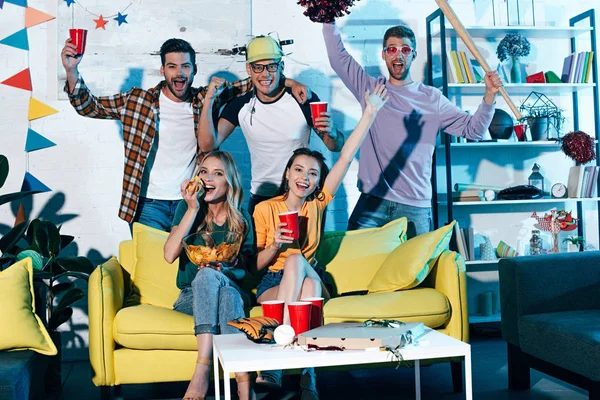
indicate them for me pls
(146, 341)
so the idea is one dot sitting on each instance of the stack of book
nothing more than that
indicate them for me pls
(468, 195)
(577, 67)
(464, 238)
(461, 69)
(583, 182)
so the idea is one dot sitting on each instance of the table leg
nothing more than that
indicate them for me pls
(417, 379)
(227, 383)
(468, 381)
(216, 374)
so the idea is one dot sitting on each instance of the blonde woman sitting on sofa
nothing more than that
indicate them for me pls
(307, 187)
(206, 292)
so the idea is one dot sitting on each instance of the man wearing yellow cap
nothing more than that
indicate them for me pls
(273, 122)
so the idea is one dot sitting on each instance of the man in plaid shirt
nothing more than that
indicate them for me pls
(159, 129)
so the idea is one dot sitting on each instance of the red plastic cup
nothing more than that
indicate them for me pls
(291, 219)
(316, 313)
(300, 316)
(520, 131)
(273, 309)
(78, 38)
(316, 108)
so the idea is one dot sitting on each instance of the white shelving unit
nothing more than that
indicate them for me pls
(520, 88)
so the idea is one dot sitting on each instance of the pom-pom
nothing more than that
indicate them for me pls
(578, 146)
(325, 10)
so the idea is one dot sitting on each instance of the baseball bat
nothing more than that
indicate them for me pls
(468, 41)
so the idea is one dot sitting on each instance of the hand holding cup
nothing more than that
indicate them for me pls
(69, 57)
(282, 236)
(324, 124)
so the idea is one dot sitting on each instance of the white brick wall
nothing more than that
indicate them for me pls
(85, 168)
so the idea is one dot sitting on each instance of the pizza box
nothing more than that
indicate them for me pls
(355, 336)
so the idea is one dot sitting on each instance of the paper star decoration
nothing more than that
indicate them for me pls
(100, 22)
(121, 19)
(69, 2)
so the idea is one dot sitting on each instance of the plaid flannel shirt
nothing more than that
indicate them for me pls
(138, 111)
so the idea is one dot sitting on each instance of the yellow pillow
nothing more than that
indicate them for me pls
(153, 277)
(409, 264)
(21, 328)
(353, 257)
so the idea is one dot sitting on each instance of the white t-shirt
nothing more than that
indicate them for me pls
(273, 131)
(173, 153)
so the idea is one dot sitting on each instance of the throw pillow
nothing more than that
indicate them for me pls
(153, 277)
(353, 257)
(21, 328)
(410, 263)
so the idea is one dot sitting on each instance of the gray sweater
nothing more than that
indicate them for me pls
(396, 157)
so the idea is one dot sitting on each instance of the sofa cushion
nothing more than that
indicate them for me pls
(153, 277)
(353, 257)
(569, 339)
(21, 328)
(410, 263)
(148, 327)
(418, 305)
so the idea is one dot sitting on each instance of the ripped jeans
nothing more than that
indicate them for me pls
(213, 300)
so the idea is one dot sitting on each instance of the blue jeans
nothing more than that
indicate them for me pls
(156, 213)
(213, 300)
(372, 212)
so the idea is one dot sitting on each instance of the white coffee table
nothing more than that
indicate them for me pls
(235, 353)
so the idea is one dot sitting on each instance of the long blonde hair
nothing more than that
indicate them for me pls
(235, 196)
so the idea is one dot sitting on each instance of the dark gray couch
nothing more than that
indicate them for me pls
(551, 318)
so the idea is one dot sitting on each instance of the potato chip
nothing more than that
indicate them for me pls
(223, 252)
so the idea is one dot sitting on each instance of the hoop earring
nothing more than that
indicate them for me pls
(286, 186)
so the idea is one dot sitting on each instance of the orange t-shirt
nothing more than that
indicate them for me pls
(310, 219)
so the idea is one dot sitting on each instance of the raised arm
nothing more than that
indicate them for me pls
(85, 103)
(345, 66)
(373, 103)
(210, 138)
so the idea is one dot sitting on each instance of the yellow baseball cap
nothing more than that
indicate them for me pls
(263, 48)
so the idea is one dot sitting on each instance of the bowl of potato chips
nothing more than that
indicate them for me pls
(212, 247)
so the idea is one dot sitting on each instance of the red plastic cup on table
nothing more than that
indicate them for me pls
(291, 219)
(78, 38)
(316, 109)
(316, 313)
(520, 131)
(273, 309)
(300, 316)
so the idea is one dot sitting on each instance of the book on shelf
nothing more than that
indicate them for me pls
(590, 59)
(459, 75)
(451, 70)
(469, 235)
(463, 70)
(460, 244)
(468, 67)
(566, 71)
(582, 190)
(502, 72)
(575, 181)
(590, 171)
(478, 70)
(584, 67)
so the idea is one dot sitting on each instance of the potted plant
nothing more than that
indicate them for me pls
(541, 114)
(514, 46)
(575, 243)
(42, 241)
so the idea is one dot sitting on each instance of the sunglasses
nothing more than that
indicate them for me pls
(258, 68)
(393, 50)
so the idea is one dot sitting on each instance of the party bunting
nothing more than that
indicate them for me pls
(100, 22)
(121, 19)
(20, 214)
(1, 4)
(34, 17)
(37, 109)
(22, 80)
(17, 39)
(22, 3)
(30, 182)
(35, 141)
(69, 2)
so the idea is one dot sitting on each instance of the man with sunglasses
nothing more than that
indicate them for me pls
(394, 175)
(273, 122)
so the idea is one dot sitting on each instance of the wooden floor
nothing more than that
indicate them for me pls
(489, 381)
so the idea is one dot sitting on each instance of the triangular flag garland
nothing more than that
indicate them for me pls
(35, 17)
(22, 3)
(20, 215)
(17, 39)
(22, 80)
(37, 109)
(1, 4)
(35, 141)
(101, 20)
(30, 182)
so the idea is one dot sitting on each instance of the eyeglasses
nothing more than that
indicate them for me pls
(258, 68)
(393, 50)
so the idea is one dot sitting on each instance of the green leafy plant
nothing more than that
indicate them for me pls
(578, 240)
(42, 241)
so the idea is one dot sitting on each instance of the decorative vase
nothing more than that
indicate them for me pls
(515, 71)
(573, 247)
